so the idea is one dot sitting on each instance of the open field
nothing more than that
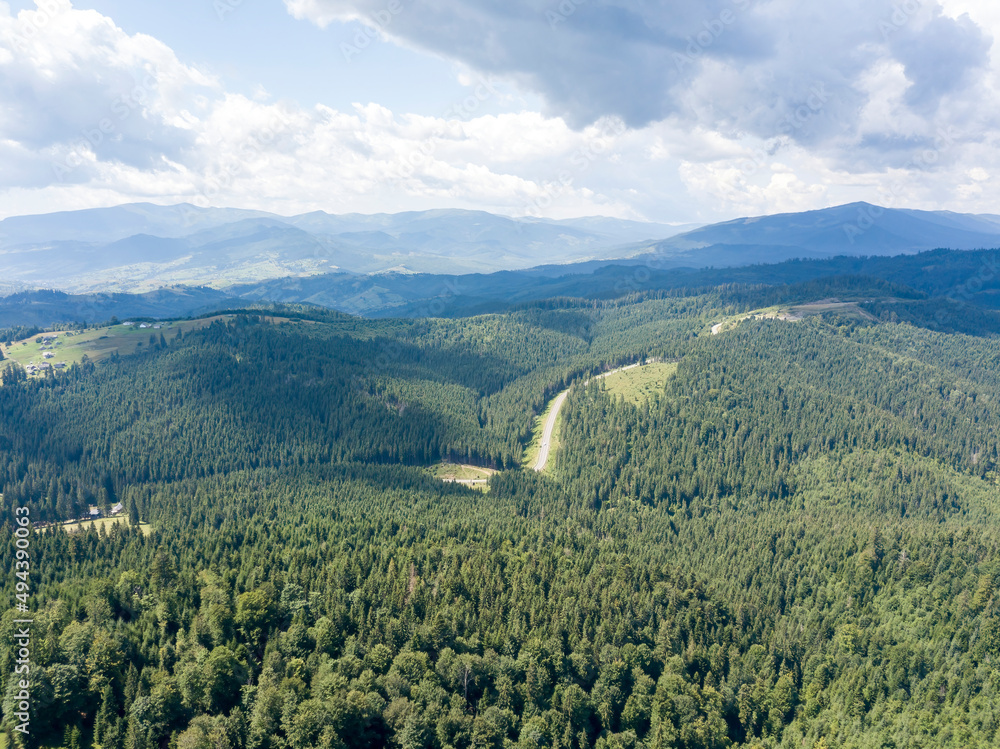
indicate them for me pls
(639, 384)
(71, 346)
(795, 313)
(473, 477)
(106, 523)
(768, 313)
(828, 306)
(457, 472)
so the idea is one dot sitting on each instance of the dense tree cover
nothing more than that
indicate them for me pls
(971, 278)
(961, 278)
(19, 332)
(839, 483)
(260, 392)
(254, 394)
(795, 544)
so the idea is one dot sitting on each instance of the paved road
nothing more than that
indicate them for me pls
(550, 424)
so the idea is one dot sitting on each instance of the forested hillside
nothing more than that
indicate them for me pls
(794, 544)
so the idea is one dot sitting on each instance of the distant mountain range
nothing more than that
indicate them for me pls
(141, 247)
(856, 229)
(181, 259)
(955, 290)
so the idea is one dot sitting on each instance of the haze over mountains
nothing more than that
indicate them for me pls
(354, 262)
(140, 247)
(855, 229)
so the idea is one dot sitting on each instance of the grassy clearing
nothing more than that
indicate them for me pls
(635, 384)
(844, 309)
(456, 472)
(639, 383)
(106, 523)
(769, 313)
(795, 313)
(473, 477)
(550, 466)
(71, 346)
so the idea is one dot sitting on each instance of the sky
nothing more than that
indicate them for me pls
(674, 111)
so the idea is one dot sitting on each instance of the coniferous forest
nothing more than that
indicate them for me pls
(794, 542)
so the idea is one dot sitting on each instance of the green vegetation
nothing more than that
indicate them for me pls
(71, 346)
(454, 472)
(101, 525)
(534, 446)
(639, 384)
(788, 538)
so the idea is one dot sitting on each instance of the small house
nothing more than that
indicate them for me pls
(117, 509)
(94, 511)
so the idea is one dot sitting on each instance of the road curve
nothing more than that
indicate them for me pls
(550, 425)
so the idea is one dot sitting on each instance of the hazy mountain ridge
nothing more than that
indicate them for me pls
(855, 229)
(941, 288)
(141, 247)
(398, 263)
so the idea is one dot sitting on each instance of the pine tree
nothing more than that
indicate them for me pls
(107, 715)
(13, 373)
(133, 511)
(131, 685)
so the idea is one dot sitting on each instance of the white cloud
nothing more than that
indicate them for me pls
(739, 65)
(791, 106)
(743, 105)
(92, 114)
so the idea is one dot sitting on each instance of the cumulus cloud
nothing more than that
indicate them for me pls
(589, 58)
(941, 57)
(91, 115)
(853, 88)
(656, 109)
(739, 64)
(77, 91)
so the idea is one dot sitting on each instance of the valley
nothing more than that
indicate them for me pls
(548, 374)
(764, 509)
(706, 469)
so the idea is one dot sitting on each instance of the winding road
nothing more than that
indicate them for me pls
(550, 423)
